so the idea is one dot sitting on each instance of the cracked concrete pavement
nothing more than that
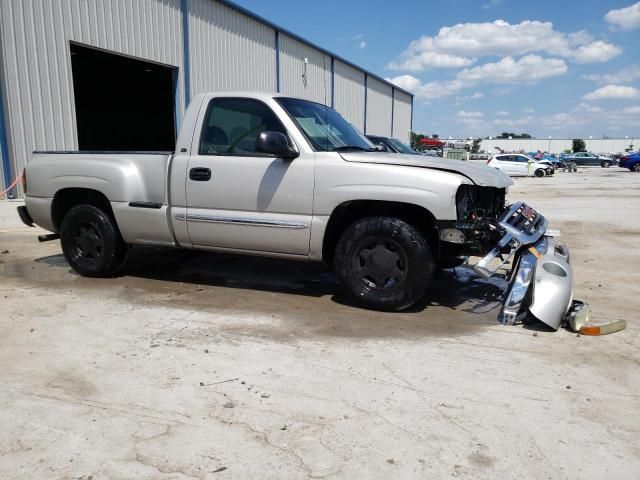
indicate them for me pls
(213, 366)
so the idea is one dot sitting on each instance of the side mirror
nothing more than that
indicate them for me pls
(276, 144)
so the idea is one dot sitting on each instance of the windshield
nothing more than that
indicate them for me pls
(401, 147)
(325, 129)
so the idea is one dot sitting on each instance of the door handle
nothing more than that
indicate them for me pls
(200, 174)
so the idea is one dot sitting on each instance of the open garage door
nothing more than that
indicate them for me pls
(122, 103)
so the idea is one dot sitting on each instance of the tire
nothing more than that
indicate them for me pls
(383, 263)
(91, 242)
(539, 173)
(606, 164)
(636, 167)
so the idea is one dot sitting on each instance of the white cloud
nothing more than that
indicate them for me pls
(562, 120)
(615, 92)
(585, 107)
(524, 70)
(422, 53)
(475, 96)
(358, 36)
(463, 114)
(527, 69)
(427, 91)
(529, 110)
(513, 122)
(502, 114)
(626, 75)
(596, 52)
(626, 18)
(491, 3)
(632, 110)
(462, 44)
(362, 44)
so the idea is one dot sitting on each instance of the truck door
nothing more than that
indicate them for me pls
(241, 199)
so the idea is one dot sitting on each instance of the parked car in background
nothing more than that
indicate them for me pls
(462, 144)
(519, 165)
(392, 145)
(589, 158)
(555, 161)
(431, 143)
(631, 161)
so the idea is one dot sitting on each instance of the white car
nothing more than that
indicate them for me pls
(518, 165)
(462, 144)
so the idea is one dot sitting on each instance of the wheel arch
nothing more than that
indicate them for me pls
(67, 198)
(351, 211)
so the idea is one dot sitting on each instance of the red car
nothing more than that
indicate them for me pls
(431, 143)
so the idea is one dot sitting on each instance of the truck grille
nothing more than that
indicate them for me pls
(523, 223)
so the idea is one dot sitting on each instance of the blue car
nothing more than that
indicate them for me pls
(631, 161)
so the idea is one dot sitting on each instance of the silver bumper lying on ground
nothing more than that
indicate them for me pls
(541, 280)
(542, 283)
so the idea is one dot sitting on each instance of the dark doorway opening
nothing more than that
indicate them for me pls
(122, 103)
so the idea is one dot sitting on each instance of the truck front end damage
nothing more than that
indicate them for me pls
(540, 281)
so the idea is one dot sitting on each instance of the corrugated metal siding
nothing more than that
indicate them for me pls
(229, 51)
(349, 93)
(401, 116)
(35, 40)
(378, 108)
(318, 78)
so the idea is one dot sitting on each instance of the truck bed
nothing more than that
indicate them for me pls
(135, 183)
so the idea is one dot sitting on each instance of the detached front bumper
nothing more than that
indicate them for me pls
(541, 283)
(541, 280)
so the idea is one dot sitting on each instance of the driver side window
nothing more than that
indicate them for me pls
(232, 125)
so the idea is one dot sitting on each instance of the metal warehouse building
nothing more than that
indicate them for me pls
(89, 74)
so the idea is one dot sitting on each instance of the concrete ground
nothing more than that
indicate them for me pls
(212, 366)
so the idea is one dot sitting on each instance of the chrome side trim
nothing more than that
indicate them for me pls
(241, 221)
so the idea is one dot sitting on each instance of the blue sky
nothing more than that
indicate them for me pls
(562, 68)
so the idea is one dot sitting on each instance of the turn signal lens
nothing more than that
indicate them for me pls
(604, 328)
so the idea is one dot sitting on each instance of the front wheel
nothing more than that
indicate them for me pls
(383, 263)
(539, 173)
(91, 242)
(636, 167)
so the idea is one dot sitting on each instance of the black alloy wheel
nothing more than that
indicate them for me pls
(379, 264)
(91, 242)
(383, 263)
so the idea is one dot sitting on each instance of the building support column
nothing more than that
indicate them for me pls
(277, 61)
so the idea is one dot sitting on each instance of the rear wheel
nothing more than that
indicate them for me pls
(606, 164)
(383, 263)
(91, 242)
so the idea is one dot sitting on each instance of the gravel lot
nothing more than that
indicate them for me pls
(213, 366)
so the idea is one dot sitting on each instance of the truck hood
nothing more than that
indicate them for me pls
(478, 174)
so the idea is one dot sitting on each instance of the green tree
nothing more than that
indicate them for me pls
(513, 135)
(579, 145)
(415, 139)
(476, 145)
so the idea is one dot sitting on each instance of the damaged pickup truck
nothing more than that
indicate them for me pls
(270, 175)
